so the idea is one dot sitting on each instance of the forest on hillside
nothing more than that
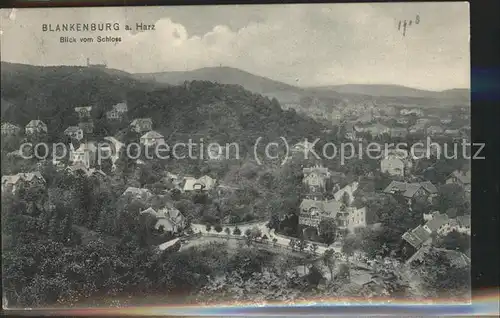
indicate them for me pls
(200, 108)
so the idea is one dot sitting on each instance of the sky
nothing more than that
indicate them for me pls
(299, 44)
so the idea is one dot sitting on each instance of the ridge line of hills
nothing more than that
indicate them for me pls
(282, 91)
(220, 112)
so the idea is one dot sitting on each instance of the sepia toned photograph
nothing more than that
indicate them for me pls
(244, 155)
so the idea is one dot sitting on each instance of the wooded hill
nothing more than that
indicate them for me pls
(216, 111)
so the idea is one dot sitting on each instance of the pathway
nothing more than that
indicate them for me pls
(282, 241)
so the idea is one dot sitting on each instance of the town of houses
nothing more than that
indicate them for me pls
(323, 188)
(325, 195)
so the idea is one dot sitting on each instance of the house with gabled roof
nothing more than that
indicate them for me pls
(205, 183)
(85, 155)
(421, 235)
(12, 183)
(174, 217)
(312, 212)
(167, 219)
(36, 126)
(356, 217)
(396, 162)
(80, 169)
(412, 190)
(141, 125)
(74, 132)
(429, 188)
(152, 138)
(348, 190)
(83, 112)
(138, 193)
(315, 180)
(462, 178)
(417, 237)
(117, 111)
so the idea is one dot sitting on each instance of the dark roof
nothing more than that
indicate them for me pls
(409, 189)
(406, 189)
(463, 176)
(417, 236)
(456, 258)
(326, 208)
(429, 187)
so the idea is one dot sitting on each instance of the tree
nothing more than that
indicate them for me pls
(421, 205)
(66, 229)
(218, 228)
(344, 272)
(237, 231)
(54, 229)
(275, 240)
(314, 248)
(350, 244)
(329, 261)
(248, 237)
(346, 199)
(455, 241)
(106, 166)
(327, 229)
(452, 213)
(393, 213)
(443, 279)
(227, 231)
(274, 222)
(208, 227)
(292, 244)
(314, 277)
(255, 233)
(265, 238)
(302, 244)
(451, 196)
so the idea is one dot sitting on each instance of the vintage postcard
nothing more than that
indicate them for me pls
(252, 155)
